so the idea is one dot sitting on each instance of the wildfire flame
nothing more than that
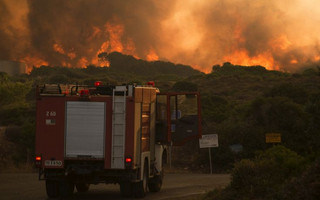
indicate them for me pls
(273, 34)
(58, 48)
(241, 57)
(72, 55)
(114, 32)
(282, 42)
(152, 56)
(115, 41)
(198, 67)
(83, 62)
(32, 61)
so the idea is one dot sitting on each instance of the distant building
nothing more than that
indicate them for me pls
(12, 67)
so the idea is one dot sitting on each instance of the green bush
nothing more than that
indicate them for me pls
(262, 177)
(265, 177)
(59, 79)
(306, 186)
(221, 194)
(184, 86)
(13, 92)
(215, 108)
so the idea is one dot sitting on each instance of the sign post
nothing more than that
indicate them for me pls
(209, 141)
(210, 160)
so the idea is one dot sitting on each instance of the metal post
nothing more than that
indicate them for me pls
(210, 160)
(170, 156)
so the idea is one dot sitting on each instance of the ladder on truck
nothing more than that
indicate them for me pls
(118, 127)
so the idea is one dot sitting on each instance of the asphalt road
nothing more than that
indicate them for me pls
(176, 186)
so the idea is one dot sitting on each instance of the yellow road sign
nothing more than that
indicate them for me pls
(273, 138)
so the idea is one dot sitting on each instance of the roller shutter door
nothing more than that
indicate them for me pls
(85, 129)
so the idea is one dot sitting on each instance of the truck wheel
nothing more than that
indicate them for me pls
(82, 187)
(141, 187)
(126, 189)
(66, 188)
(52, 188)
(156, 182)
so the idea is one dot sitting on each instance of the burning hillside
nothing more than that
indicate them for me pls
(274, 34)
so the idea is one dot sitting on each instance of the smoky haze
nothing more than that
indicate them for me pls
(278, 35)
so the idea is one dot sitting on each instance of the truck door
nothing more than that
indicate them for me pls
(178, 118)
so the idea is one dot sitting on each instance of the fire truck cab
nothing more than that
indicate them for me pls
(110, 134)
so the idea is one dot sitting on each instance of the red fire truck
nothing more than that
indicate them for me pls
(110, 134)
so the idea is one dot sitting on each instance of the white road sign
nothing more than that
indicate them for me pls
(208, 141)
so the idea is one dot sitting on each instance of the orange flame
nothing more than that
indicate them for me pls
(294, 61)
(281, 42)
(58, 48)
(204, 70)
(104, 47)
(72, 55)
(316, 58)
(115, 33)
(96, 33)
(65, 64)
(32, 61)
(241, 57)
(152, 56)
(114, 42)
(83, 62)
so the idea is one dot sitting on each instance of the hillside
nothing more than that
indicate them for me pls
(239, 103)
(242, 104)
(128, 64)
(122, 69)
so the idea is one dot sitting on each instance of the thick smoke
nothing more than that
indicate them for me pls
(277, 34)
(13, 29)
(280, 34)
(79, 26)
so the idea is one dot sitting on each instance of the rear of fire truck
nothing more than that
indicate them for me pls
(109, 134)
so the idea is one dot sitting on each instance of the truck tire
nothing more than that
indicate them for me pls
(52, 188)
(82, 187)
(66, 188)
(156, 182)
(141, 187)
(126, 189)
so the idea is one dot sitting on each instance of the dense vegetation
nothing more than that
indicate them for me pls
(240, 104)
(278, 174)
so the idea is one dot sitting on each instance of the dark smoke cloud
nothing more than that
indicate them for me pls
(11, 37)
(14, 30)
(199, 33)
(70, 23)
(4, 49)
